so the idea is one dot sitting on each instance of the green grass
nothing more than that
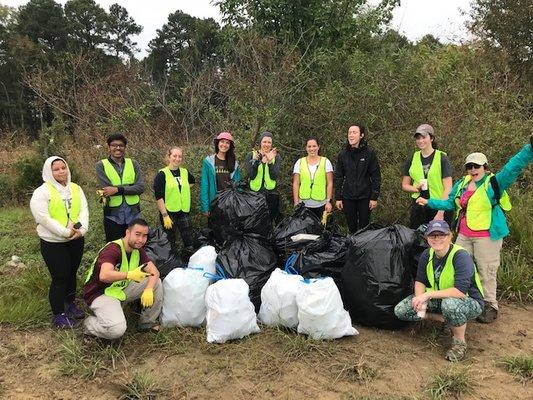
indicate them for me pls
(515, 276)
(521, 366)
(140, 386)
(450, 382)
(353, 371)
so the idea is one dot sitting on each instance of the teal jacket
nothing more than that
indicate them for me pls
(505, 178)
(208, 182)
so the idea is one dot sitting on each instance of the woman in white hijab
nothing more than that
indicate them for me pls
(60, 210)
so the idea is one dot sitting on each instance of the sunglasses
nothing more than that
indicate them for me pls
(473, 166)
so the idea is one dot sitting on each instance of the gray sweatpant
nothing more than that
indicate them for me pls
(109, 321)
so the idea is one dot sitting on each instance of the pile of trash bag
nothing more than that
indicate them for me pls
(184, 290)
(378, 274)
(251, 258)
(235, 211)
(161, 252)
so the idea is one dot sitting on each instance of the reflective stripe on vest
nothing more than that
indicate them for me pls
(479, 208)
(176, 199)
(416, 172)
(447, 275)
(116, 289)
(263, 170)
(57, 208)
(314, 188)
(128, 178)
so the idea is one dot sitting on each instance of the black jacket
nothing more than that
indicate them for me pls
(357, 175)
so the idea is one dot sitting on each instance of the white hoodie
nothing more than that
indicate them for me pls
(48, 228)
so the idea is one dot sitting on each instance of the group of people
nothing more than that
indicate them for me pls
(122, 272)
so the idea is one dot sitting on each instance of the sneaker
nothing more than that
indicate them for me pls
(61, 321)
(457, 350)
(488, 315)
(73, 311)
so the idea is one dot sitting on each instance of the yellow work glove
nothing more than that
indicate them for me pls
(167, 222)
(147, 298)
(103, 199)
(325, 216)
(137, 274)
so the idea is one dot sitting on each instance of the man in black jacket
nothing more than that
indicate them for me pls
(357, 179)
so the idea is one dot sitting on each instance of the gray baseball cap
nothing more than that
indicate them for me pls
(437, 226)
(425, 130)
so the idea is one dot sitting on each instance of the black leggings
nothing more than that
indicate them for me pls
(422, 215)
(182, 223)
(318, 211)
(63, 261)
(113, 231)
(357, 213)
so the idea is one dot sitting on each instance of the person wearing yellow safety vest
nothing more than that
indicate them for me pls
(121, 184)
(447, 288)
(120, 274)
(263, 167)
(62, 216)
(479, 200)
(312, 180)
(427, 174)
(172, 190)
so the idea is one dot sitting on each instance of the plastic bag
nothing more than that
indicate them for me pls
(278, 299)
(301, 221)
(230, 314)
(160, 251)
(251, 258)
(321, 314)
(378, 274)
(184, 290)
(235, 211)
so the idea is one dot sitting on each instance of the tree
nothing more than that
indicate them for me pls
(184, 43)
(43, 21)
(86, 25)
(507, 24)
(315, 23)
(120, 28)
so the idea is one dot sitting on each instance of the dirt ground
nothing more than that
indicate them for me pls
(179, 364)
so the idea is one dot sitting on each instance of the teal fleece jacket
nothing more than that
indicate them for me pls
(505, 178)
(208, 182)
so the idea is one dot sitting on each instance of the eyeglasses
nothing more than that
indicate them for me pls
(473, 166)
(434, 236)
(117, 146)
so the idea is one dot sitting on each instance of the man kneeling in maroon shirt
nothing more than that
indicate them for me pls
(122, 273)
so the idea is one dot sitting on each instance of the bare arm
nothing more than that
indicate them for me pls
(447, 183)
(408, 187)
(161, 207)
(295, 188)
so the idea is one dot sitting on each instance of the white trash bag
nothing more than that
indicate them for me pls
(278, 299)
(184, 290)
(321, 314)
(230, 313)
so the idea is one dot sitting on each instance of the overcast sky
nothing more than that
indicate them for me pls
(444, 19)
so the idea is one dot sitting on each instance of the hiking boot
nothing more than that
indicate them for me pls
(61, 321)
(457, 350)
(488, 315)
(73, 311)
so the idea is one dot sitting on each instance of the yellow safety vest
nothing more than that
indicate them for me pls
(176, 199)
(116, 289)
(57, 208)
(416, 172)
(479, 209)
(314, 188)
(128, 178)
(263, 170)
(447, 276)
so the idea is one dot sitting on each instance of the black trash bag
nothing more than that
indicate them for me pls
(251, 258)
(378, 274)
(324, 257)
(235, 211)
(159, 250)
(301, 221)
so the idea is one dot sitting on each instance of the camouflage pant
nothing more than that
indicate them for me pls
(456, 312)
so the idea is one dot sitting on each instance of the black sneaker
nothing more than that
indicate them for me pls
(488, 315)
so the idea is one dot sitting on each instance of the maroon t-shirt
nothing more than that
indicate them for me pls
(111, 253)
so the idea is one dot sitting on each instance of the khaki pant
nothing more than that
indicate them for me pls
(109, 321)
(486, 254)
